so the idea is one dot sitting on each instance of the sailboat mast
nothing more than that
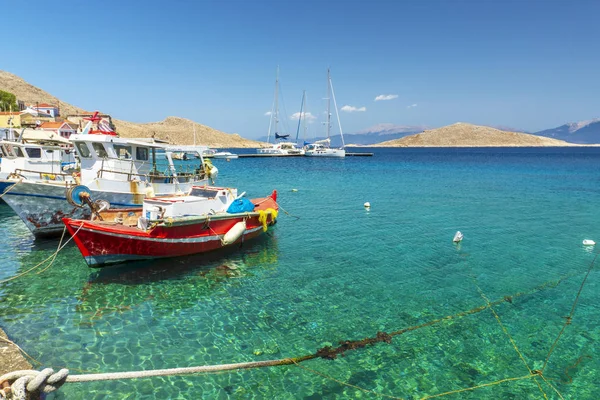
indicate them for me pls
(277, 101)
(328, 104)
(304, 120)
(301, 114)
(337, 114)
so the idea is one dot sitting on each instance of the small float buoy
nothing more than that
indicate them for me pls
(294, 190)
(588, 242)
(458, 236)
(367, 205)
(228, 160)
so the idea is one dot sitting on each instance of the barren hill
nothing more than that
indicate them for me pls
(468, 135)
(174, 129)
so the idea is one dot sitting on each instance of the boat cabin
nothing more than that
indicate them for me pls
(123, 159)
(202, 200)
(37, 161)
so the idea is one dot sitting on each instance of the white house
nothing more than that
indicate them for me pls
(45, 109)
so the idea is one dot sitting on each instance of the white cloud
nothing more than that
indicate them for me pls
(353, 109)
(412, 105)
(386, 97)
(307, 115)
(268, 113)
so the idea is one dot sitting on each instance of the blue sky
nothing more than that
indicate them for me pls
(530, 64)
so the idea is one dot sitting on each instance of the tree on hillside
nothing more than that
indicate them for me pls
(8, 101)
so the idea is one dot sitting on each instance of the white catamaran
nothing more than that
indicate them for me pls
(321, 148)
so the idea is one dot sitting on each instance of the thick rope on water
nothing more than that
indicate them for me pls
(329, 353)
(27, 382)
(31, 382)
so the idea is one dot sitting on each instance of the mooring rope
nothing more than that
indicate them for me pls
(26, 382)
(325, 353)
(53, 256)
(11, 187)
(569, 318)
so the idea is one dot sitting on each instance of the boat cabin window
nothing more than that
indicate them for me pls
(123, 152)
(83, 150)
(7, 149)
(33, 152)
(18, 152)
(141, 153)
(100, 150)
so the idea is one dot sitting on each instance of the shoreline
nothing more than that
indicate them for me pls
(11, 356)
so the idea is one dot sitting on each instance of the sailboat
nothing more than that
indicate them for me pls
(321, 148)
(283, 147)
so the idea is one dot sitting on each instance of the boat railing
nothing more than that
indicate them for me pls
(155, 175)
(52, 176)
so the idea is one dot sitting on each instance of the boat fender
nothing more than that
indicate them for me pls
(234, 233)
(149, 192)
(589, 242)
(458, 236)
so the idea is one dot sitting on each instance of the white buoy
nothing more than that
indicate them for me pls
(234, 233)
(367, 205)
(588, 242)
(458, 236)
(294, 190)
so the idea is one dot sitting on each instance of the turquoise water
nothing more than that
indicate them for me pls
(337, 273)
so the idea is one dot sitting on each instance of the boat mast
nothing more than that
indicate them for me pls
(328, 104)
(337, 114)
(276, 101)
(300, 117)
(304, 120)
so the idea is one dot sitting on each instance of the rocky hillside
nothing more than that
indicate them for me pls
(175, 130)
(468, 135)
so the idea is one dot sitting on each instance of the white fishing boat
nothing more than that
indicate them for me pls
(322, 148)
(281, 147)
(119, 170)
(36, 154)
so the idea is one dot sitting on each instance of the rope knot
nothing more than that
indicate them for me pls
(26, 382)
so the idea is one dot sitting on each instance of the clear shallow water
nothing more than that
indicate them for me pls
(342, 273)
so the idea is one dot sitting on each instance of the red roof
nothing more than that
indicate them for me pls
(51, 125)
(57, 125)
(43, 105)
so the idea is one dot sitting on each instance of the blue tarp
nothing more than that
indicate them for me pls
(240, 206)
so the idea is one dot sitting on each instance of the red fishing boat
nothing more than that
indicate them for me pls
(208, 218)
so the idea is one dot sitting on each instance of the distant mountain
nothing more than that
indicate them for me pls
(584, 132)
(468, 135)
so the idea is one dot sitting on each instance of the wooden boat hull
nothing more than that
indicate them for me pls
(102, 243)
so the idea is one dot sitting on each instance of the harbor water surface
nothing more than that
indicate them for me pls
(330, 271)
